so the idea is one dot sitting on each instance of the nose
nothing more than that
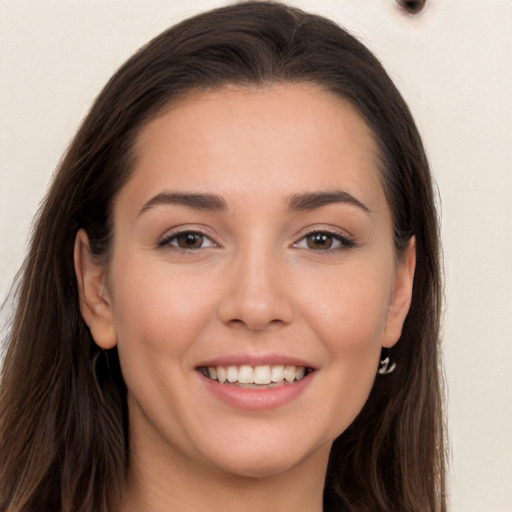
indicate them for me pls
(257, 294)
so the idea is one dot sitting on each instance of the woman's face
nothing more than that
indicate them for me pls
(253, 244)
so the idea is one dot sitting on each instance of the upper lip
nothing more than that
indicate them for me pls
(256, 360)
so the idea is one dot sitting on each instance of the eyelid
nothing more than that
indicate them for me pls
(165, 239)
(345, 240)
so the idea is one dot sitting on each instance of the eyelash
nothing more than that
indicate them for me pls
(343, 242)
(167, 240)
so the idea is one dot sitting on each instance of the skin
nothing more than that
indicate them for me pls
(256, 285)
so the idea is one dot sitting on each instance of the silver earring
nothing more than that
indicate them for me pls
(386, 364)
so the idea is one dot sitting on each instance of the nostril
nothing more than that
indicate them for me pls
(255, 301)
(255, 323)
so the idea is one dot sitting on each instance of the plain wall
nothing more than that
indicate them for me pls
(452, 64)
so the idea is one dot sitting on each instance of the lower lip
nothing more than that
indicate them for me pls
(250, 399)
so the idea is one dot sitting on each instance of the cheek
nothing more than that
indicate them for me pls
(158, 313)
(349, 318)
(159, 317)
(349, 306)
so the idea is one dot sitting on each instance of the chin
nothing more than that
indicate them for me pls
(262, 462)
(260, 467)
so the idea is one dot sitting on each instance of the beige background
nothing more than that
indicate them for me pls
(453, 65)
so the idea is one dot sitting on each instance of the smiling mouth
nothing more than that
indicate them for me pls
(256, 376)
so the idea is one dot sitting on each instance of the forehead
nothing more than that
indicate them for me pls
(277, 140)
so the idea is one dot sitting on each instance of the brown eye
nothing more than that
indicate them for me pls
(319, 241)
(325, 241)
(189, 240)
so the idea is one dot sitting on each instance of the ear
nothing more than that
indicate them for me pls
(95, 303)
(401, 295)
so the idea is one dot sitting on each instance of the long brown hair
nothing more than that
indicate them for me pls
(63, 419)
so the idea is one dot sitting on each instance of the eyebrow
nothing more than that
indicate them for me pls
(209, 202)
(314, 200)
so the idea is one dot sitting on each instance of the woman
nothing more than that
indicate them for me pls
(241, 230)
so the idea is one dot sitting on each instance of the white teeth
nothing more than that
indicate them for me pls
(221, 374)
(277, 373)
(289, 373)
(262, 375)
(256, 375)
(232, 374)
(246, 374)
(300, 372)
